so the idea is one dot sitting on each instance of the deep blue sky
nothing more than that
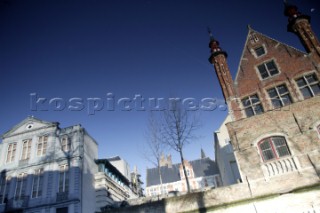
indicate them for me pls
(156, 48)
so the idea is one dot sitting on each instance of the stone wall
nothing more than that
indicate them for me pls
(234, 198)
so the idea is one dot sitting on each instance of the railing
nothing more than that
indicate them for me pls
(280, 166)
(62, 196)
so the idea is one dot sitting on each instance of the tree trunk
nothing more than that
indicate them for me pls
(185, 171)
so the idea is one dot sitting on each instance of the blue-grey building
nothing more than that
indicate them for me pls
(47, 169)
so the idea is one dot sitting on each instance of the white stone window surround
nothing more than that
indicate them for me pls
(254, 53)
(278, 166)
(41, 150)
(270, 76)
(26, 150)
(302, 75)
(11, 152)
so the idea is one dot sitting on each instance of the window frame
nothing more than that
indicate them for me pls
(252, 105)
(37, 183)
(11, 152)
(279, 96)
(268, 71)
(65, 144)
(27, 154)
(258, 48)
(64, 179)
(308, 85)
(44, 145)
(21, 185)
(273, 148)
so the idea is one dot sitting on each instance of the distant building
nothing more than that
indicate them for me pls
(121, 165)
(202, 173)
(47, 169)
(114, 183)
(224, 155)
(136, 183)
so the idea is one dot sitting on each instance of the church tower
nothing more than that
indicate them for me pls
(218, 59)
(299, 24)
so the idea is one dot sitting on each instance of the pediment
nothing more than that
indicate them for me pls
(27, 125)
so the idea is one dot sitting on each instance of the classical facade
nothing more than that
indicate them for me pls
(46, 169)
(202, 173)
(224, 155)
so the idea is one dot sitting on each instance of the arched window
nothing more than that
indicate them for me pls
(273, 148)
(318, 128)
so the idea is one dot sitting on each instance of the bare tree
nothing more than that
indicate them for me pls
(178, 127)
(155, 145)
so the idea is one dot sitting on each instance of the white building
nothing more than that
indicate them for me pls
(47, 169)
(224, 155)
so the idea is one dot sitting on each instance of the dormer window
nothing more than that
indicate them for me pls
(268, 69)
(260, 51)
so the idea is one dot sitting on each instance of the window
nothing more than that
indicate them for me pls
(21, 186)
(42, 145)
(253, 38)
(4, 187)
(64, 179)
(252, 105)
(268, 69)
(65, 144)
(11, 152)
(37, 183)
(273, 148)
(26, 149)
(279, 96)
(318, 128)
(260, 51)
(309, 85)
(62, 210)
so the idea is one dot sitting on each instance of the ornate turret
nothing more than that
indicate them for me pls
(218, 59)
(214, 45)
(299, 24)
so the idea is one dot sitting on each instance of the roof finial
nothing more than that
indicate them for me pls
(249, 27)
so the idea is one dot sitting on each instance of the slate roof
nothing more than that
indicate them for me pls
(201, 167)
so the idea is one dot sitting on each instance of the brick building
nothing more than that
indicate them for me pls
(274, 105)
(274, 128)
